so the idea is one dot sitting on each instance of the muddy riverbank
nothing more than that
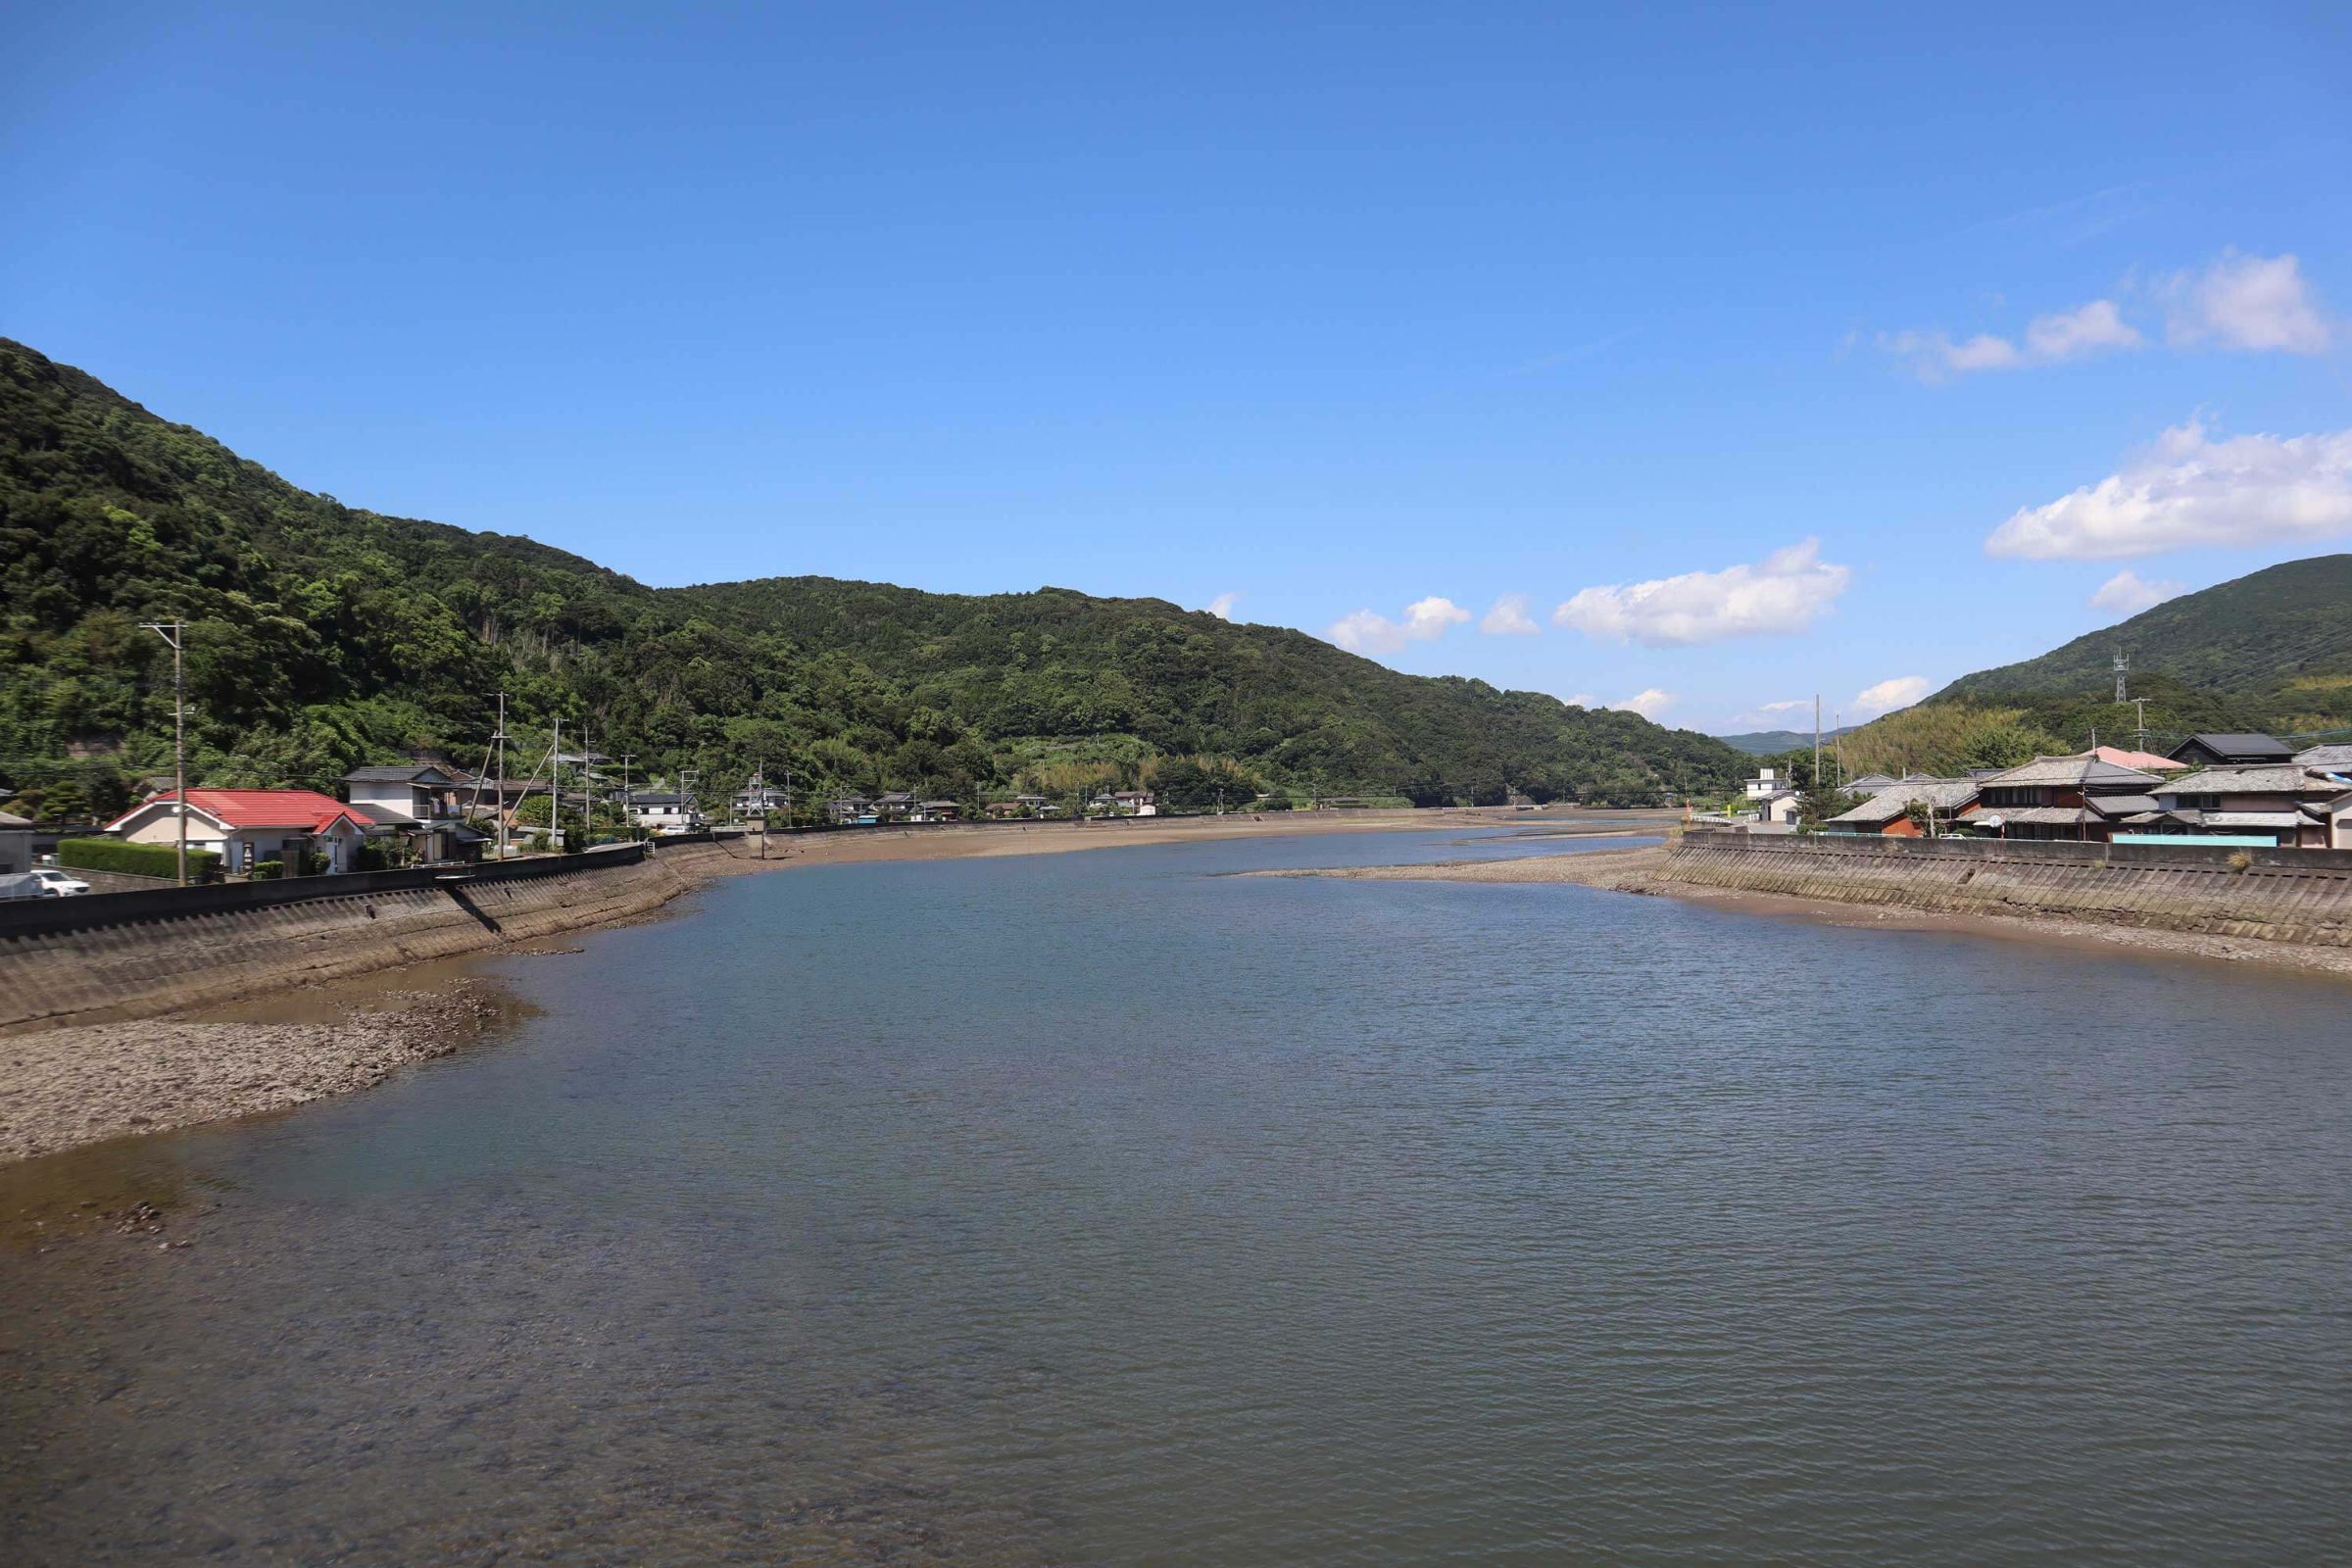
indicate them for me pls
(1649, 870)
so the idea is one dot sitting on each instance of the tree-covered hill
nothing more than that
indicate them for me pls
(2279, 640)
(321, 636)
(2270, 651)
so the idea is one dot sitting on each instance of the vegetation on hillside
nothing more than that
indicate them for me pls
(2273, 648)
(2271, 651)
(321, 636)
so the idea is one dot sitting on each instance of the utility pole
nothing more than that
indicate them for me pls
(2141, 704)
(1817, 740)
(499, 805)
(585, 810)
(555, 784)
(174, 632)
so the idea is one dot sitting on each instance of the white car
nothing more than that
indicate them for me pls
(59, 884)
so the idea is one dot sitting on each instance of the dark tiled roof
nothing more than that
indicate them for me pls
(2082, 771)
(397, 773)
(2249, 746)
(1945, 795)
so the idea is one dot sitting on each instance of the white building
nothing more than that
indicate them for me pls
(760, 800)
(658, 812)
(245, 827)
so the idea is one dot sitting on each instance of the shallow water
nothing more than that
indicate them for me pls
(1099, 1208)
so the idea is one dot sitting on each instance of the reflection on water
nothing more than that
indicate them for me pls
(1092, 1208)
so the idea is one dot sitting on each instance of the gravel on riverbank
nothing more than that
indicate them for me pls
(78, 1085)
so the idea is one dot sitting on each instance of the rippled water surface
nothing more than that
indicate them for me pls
(1097, 1209)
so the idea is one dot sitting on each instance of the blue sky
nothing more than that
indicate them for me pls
(1816, 317)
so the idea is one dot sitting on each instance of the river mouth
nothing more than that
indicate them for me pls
(1111, 1210)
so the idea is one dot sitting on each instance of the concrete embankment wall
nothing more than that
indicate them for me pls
(2301, 896)
(137, 953)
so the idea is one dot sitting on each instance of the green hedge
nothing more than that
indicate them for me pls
(138, 860)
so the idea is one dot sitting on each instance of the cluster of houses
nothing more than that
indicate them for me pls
(900, 806)
(2253, 791)
(433, 812)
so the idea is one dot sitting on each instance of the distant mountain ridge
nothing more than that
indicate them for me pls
(1774, 742)
(2270, 651)
(321, 636)
(2262, 638)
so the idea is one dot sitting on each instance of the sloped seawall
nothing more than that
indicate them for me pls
(2297, 895)
(133, 955)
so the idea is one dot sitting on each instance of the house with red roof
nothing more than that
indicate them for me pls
(246, 828)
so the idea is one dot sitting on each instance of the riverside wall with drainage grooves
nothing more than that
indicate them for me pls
(131, 955)
(2300, 895)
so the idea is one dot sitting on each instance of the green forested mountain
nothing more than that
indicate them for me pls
(1773, 742)
(322, 635)
(2278, 642)
(2270, 651)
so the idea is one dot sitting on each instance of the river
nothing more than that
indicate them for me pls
(1105, 1209)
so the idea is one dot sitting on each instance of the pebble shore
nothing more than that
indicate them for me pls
(60, 1088)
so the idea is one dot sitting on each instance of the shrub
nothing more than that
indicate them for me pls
(309, 864)
(138, 860)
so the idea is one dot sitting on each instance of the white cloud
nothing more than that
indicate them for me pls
(2191, 490)
(2069, 334)
(2248, 302)
(2049, 339)
(1783, 592)
(1888, 694)
(1366, 631)
(2127, 593)
(1937, 357)
(1769, 716)
(1509, 618)
(1649, 704)
(1222, 606)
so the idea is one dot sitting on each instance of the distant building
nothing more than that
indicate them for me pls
(2076, 797)
(2327, 758)
(663, 811)
(849, 809)
(15, 844)
(1889, 810)
(415, 805)
(246, 828)
(1768, 782)
(1871, 781)
(2284, 806)
(1135, 802)
(759, 801)
(2145, 762)
(896, 807)
(936, 812)
(2215, 750)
